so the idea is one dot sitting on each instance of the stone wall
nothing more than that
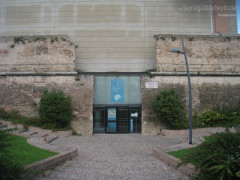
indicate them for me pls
(31, 64)
(36, 54)
(207, 92)
(215, 54)
(113, 36)
(23, 93)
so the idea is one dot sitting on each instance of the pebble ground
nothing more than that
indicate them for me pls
(118, 156)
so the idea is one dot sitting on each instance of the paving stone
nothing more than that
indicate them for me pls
(50, 138)
(40, 134)
(41, 144)
(28, 133)
(115, 157)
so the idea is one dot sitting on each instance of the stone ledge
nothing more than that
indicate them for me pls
(206, 35)
(194, 74)
(196, 132)
(189, 169)
(51, 161)
(65, 155)
(38, 74)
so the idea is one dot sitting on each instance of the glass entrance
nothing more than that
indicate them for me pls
(117, 104)
(123, 120)
(99, 120)
(113, 119)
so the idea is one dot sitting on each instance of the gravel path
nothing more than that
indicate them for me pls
(115, 157)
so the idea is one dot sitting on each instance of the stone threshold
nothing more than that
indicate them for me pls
(195, 74)
(38, 73)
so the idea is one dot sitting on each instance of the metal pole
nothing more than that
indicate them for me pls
(190, 94)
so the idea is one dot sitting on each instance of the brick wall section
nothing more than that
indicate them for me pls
(205, 53)
(23, 93)
(207, 92)
(36, 54)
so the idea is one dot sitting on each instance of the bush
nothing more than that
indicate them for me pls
(55, 109)
(197, 121)
(16, 117)
(12, 115)
(218, 157)
(231, 115)
(3, 114)
(10, 168)
(169, 108)
(220, 116)
(212, 119)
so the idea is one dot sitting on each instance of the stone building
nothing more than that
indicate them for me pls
(99, 53)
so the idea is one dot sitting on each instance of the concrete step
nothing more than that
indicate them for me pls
(11, 126)
(36, 141)
(113, 175)
(28, 133)
(40, 134)
(4, 127)
(47, 178)
(22, 131)
(33, 133)
(50, 138)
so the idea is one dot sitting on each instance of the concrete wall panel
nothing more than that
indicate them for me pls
(105, 29)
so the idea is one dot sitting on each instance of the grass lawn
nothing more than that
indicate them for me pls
(180, 153)
(25, 152)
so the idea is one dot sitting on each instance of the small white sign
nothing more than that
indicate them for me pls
(151, 84)
(134, 114)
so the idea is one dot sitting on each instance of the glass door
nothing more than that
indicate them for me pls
(117, 119)
(135, 120)
(111, 121)
(99, 120)
(123, 119)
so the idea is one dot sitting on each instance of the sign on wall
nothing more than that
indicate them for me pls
(117, 90)
(151, 84)
(112, 114)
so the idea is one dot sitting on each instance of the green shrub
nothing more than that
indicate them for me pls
(232, 115)
(212, 118)
(3, 113)
(6, 115)
(17, 118)
(218, 157)
(55, 109)
(10, 168)
(170, 109)
(197, 121)
(220, 116)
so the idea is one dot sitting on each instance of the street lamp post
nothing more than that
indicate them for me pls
(176, 50)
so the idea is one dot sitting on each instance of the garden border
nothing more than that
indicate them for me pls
(189, 169)
(51, 161)
(65, 153)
